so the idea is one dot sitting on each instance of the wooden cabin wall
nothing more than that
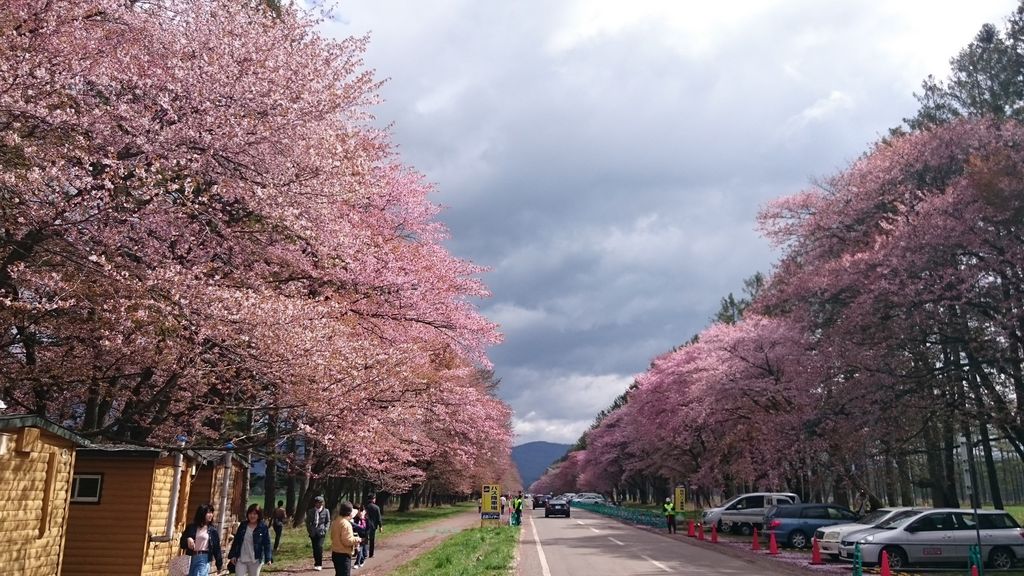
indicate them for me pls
(35, 484)
(158, 554)
(111, 537)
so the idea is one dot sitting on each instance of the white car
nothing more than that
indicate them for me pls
(746, 511)
(939, 536)
(588, 498)
(829, 537)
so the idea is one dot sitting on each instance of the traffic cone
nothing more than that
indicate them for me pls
(756, 546)
(700, 531)
(815, 552)
(714, 533)
(886, 571)
(773, 546)
(689, 530)
(974, 570)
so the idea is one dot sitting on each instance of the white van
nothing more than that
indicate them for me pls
(746, 511)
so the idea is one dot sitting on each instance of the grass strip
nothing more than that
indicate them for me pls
(487, 551)
(296, 550)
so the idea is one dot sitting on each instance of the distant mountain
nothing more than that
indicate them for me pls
(533, 458)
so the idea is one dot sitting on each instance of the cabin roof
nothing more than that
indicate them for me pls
(14, 421)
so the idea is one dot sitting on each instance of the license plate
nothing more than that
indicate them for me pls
(843, 554)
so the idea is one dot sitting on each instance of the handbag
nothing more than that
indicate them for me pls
(179, 565)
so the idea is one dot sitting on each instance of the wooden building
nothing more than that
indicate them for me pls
(208, 487)
(36, 462)
(131, 521)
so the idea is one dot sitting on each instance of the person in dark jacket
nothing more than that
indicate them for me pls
(318, 522)
(251, 546)
(202, 542)
(374, 523)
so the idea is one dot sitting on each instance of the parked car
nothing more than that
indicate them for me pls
(556, 507)
(744, 512)
(829, 537)
(794, 524)
(539, 500)
(588, 498)
(940, 536)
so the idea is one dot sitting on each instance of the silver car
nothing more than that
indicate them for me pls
(940, 536)
(829, 537)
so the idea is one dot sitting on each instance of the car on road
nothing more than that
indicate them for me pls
(794, 524)
(746, 511)
(540, 499)
(556, 507)
(829, 537)
(588, 498)
(939, 536)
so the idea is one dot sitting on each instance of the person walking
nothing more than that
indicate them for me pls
(202, 542)
(670, 515)
(504, 503)
(517, 510)
(280, 517)
(361, 527)
(373, 517)
(343, 540)
(251, 546)
(318, 521)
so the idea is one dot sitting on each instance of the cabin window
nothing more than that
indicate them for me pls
(86, 488)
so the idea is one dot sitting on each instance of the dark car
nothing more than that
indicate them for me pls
(556, 507)
(794, 524)
(539, 500)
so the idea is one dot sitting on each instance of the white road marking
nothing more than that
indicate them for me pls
(595, 530)
(540, 551)
(616, 541)
(656, 563)
(580, 522)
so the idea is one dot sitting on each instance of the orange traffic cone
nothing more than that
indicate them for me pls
(757, 543)
(773, 546)
(886, 571)
(689, 530)
(815, 552)
(700, 531)
(714, 533)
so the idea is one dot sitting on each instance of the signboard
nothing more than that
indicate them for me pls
(680, 498)
(490, 503)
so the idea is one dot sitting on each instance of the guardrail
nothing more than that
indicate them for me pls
(636, 516)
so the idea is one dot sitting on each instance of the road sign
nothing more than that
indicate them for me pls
(490, 504)
(680, 499)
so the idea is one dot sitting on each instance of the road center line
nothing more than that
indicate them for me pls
(616, 541)
(595, 530)
(656, 563)
(540, 550)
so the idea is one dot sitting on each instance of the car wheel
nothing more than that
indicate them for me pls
(546, 515)
(566, 515)
(746, 529)
(897, 557)
(1001, 558)
(797, 539)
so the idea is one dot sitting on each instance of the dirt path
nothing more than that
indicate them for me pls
(393, 550)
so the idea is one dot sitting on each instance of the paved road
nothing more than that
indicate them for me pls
(593, 545)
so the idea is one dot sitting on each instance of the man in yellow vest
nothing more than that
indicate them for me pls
(670, 516)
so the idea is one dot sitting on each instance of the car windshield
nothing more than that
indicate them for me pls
(899, 519)
(875, 517)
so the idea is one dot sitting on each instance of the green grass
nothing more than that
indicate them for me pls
(477, 552)
(296, 551)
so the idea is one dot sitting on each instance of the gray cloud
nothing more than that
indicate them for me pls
(607, 159)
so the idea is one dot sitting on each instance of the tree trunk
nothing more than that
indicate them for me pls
(406, 499)
(270, 474)
(906, 488)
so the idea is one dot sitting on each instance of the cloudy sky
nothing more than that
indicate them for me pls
(606, 159)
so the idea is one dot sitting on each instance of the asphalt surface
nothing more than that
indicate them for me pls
(592, 545)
